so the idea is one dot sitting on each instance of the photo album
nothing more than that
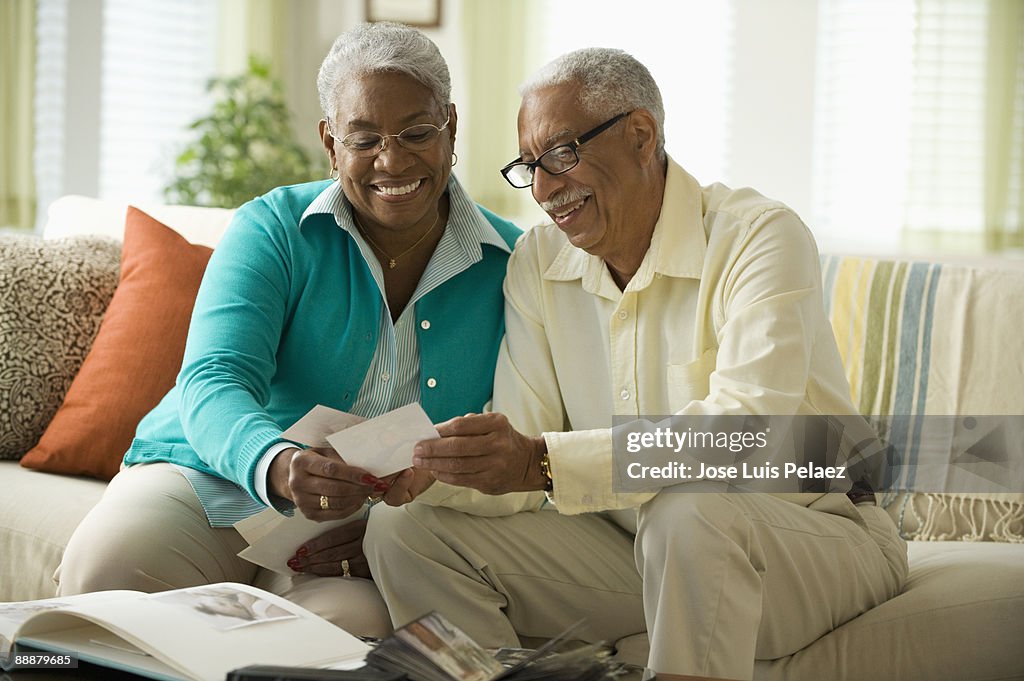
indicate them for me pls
(195, 634)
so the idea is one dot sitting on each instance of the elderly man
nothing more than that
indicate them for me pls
(648, 294)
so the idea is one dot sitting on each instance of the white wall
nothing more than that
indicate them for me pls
(316, 23)
(773, 100)
(81, 103)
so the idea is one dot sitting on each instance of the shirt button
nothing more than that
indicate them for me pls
(623, 314)
(624, 394)
(425, 324)
(587, 499)
(384, 376)
(369, 338)
(431, 382)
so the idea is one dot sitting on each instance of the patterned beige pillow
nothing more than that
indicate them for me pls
(52, 298)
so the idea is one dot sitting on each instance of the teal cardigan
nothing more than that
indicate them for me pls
(287, 317)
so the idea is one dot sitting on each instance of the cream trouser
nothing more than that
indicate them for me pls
(717, 580)
(149, 533)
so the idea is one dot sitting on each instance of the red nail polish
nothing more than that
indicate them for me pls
(293, 564)
(301, 552)
(381, 487)
(370, 479)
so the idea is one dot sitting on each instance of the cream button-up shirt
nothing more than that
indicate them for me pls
(724, 316)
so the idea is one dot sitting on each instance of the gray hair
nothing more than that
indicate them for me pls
(611, 82)
(382, 47)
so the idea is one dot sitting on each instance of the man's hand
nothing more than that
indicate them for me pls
(304, 476)
(484, 452)
(407, 485)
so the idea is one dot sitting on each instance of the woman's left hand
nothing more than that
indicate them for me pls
(323, 555)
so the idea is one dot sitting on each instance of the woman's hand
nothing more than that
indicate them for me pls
(323, 555)
(321, 485)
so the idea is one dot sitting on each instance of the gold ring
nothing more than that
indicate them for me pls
(373, 501)
(325, 503)
(345, 569)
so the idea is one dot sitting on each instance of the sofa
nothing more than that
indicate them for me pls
(916, 337)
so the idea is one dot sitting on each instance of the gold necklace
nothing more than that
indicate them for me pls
(392, 259)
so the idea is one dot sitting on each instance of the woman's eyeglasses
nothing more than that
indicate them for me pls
(365, 144)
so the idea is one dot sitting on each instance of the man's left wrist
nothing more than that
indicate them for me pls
(544, 465)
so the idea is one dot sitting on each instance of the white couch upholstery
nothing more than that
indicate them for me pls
(960, 618)
(39, 511)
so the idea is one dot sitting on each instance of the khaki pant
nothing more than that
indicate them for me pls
(150, 533)
(717, 580)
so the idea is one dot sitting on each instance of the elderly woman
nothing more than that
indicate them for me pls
(364, 293)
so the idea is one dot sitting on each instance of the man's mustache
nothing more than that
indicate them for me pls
(565, 198)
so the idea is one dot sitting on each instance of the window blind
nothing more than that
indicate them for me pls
(49, 143)
(157, 58)
(860, 150)
(946, 190)
(899, 142)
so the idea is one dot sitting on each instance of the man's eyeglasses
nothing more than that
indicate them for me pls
(365, 144)
(554, 161)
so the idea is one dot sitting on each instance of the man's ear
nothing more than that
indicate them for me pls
(642, 128)
(327, 139)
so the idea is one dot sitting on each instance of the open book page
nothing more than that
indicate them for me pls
(92, 643)
(201, 632)
(12, 615)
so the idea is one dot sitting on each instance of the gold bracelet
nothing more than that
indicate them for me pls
(545, 469)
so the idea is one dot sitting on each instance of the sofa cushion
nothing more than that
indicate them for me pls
(38, 513)
(958, 619)
(136, 355)
(52, 298)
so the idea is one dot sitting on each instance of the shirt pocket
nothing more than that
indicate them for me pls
(688, 382)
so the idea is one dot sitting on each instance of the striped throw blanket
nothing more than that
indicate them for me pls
(936, 340)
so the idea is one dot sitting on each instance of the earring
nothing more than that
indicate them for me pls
(335, 173)
(455, 159)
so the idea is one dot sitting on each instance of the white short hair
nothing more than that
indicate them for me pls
(378, 48)
(611, 82)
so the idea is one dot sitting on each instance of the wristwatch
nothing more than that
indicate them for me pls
(545, 468)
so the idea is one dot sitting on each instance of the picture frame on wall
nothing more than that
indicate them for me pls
(418, 13)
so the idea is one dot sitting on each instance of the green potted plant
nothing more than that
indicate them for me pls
(244, 147)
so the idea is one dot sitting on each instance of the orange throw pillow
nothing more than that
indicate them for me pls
(136, 355)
